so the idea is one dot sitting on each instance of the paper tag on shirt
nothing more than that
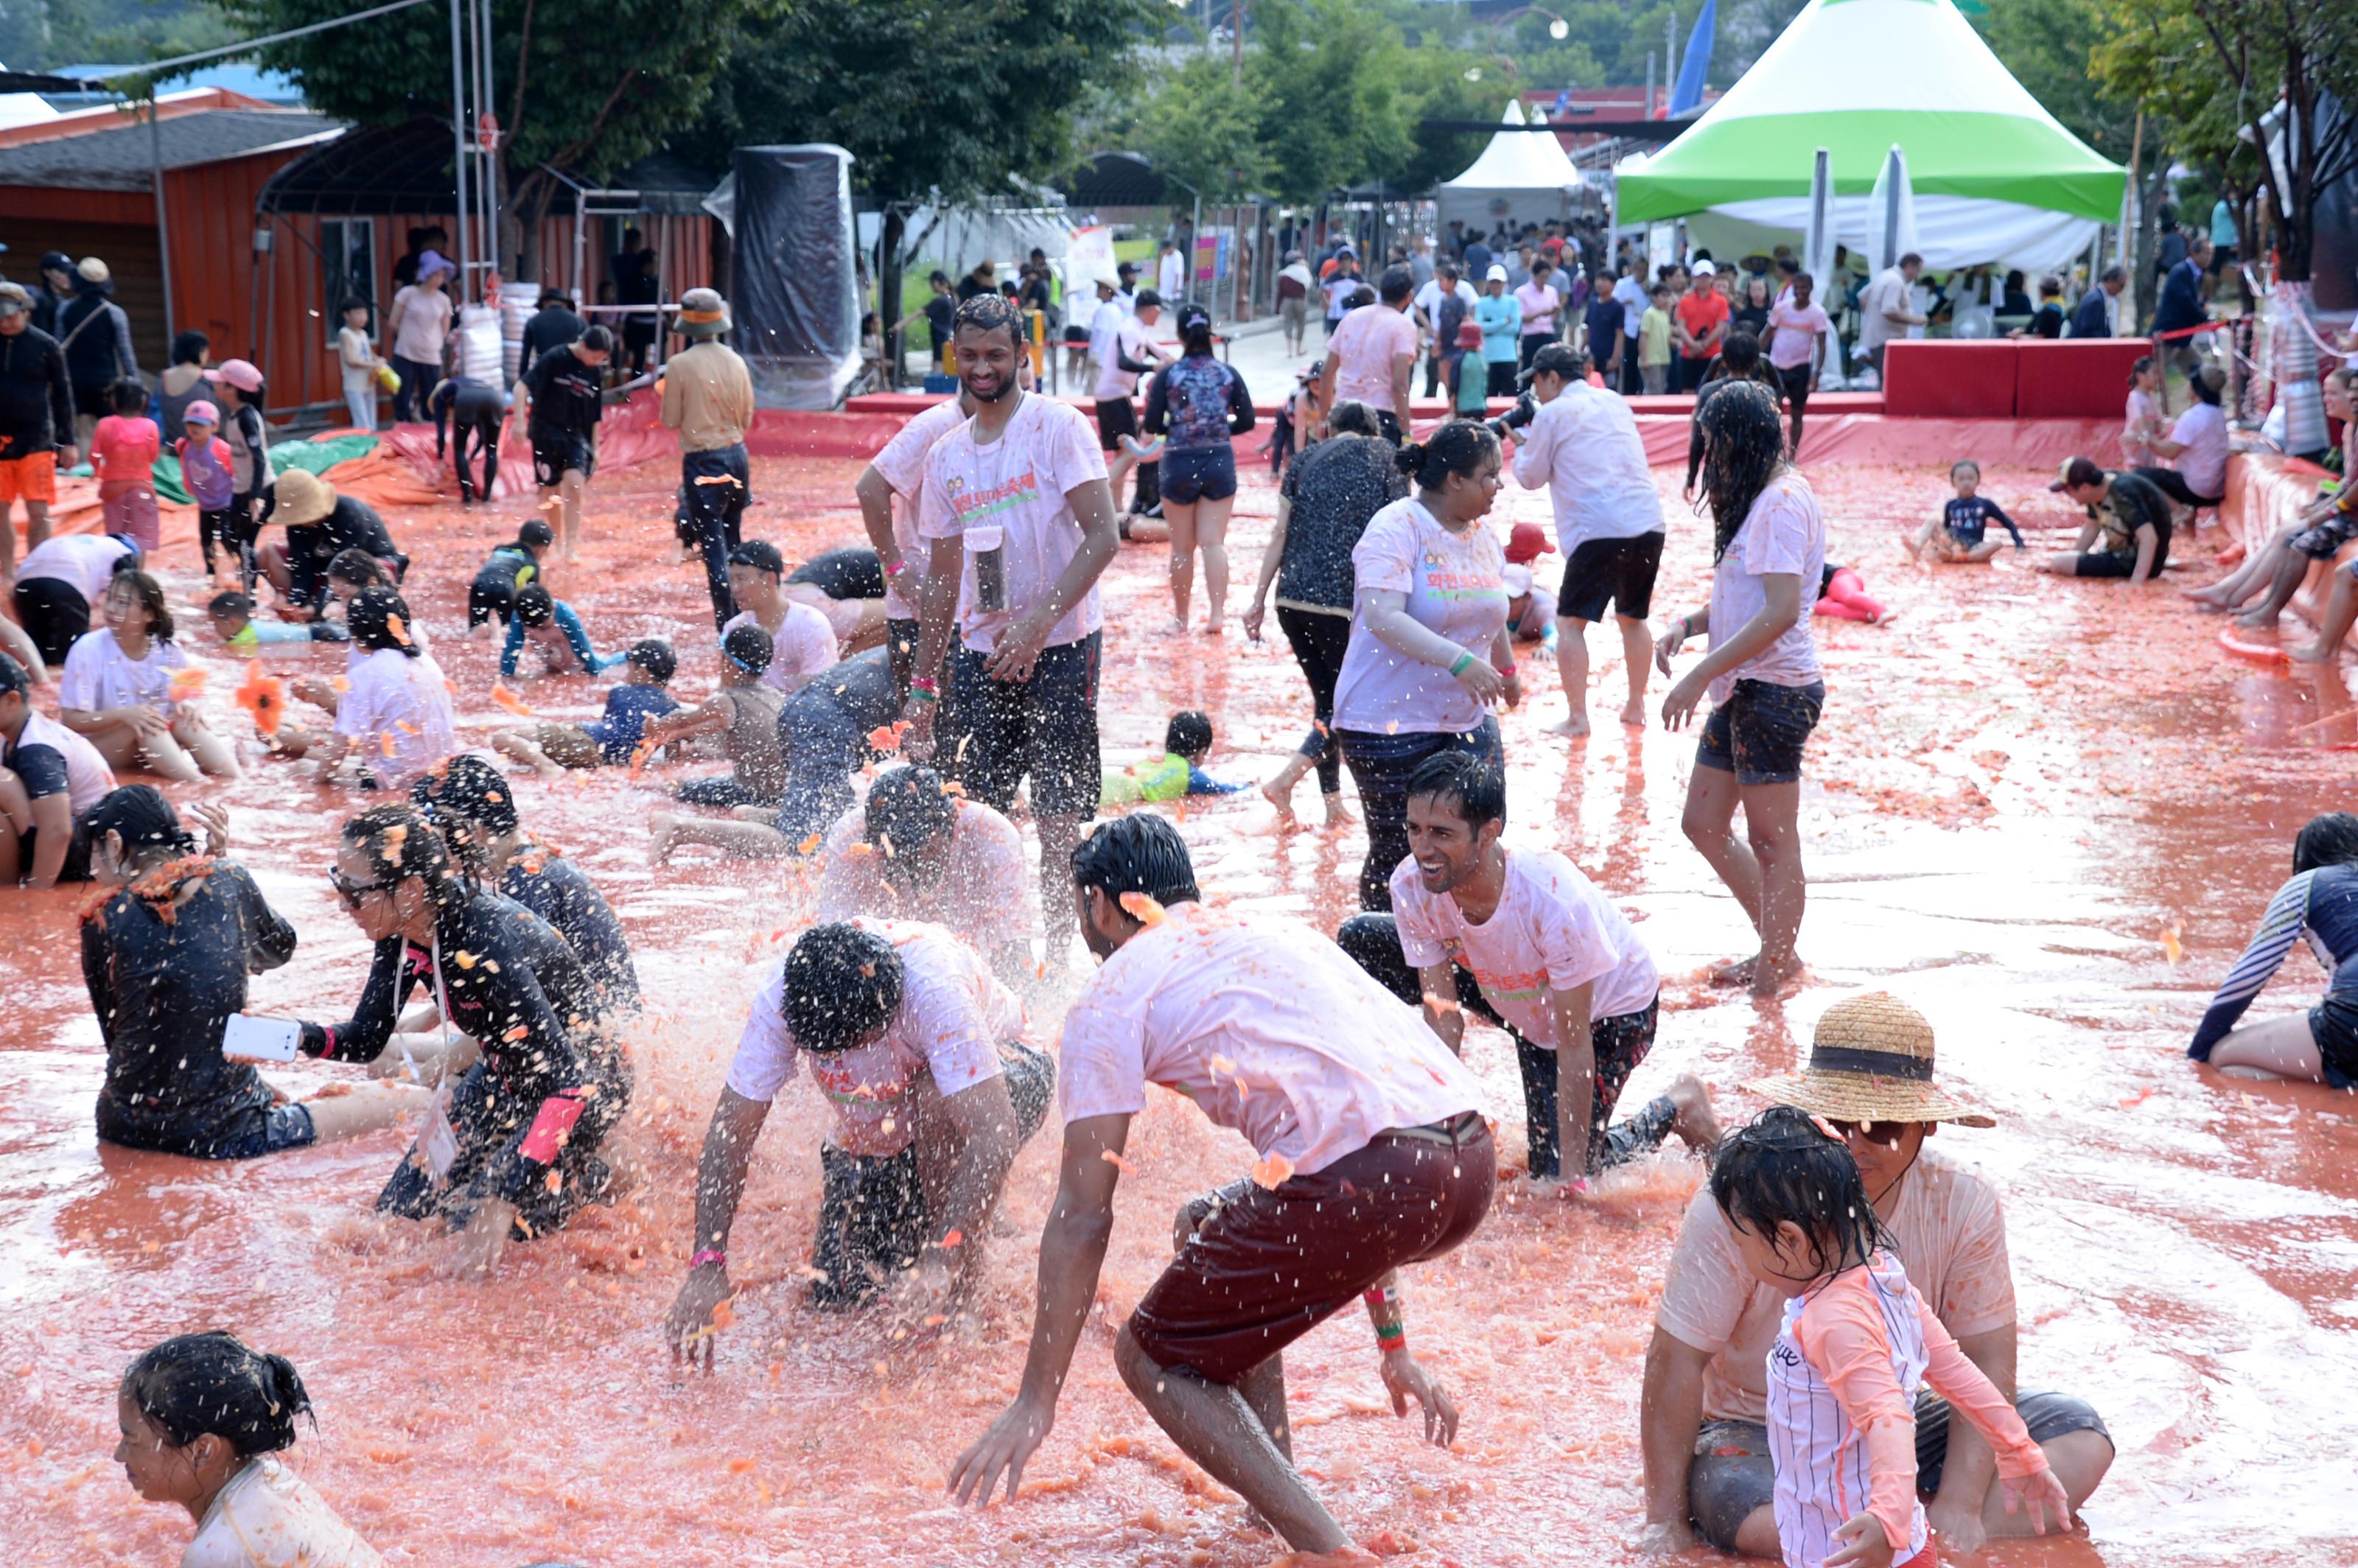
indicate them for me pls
(439, 1141)
(246, 1039)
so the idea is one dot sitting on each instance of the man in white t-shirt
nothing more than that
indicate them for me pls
(1131, 350)
(1527, 942)
(1371, 356)
(1020, 524)
(1702, 1412)
(898, 473)
(912, 851)
(1799, 331)
(1630, 293)
(1887, 309)
(921, 1055)
(1169, 271)
(801, 644)
(1441, 337)
(1582, 444)
(1373, 1156)
(49, 777)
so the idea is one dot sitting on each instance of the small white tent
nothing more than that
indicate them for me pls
(1521, 175)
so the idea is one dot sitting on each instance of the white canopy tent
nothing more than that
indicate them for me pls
(1522, 176)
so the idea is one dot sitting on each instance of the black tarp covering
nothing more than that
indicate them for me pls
(793, 264)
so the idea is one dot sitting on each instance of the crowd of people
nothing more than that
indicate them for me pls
(1840, 1296)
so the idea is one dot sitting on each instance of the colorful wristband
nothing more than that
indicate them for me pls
(919, 694)
(1393, 1339)
(709, 1255)
(1459, 667)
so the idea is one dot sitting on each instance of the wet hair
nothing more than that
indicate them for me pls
(150, 594)
(992, 313)
(750, 648)
(190, 349)
(127, 396)
(195, 1384)
(2329, 838)
(1196, 332)
(2142, 363)
(459, 794)
(842, 985)
(1142, 853)
(906, 807)
(535, 535)
(142, 815)
(1783, 1166)
(1350, 417)
(401, 842)
(371, 616)
(1739, 355)
(1459, 448)
(1476, 787)
(1189, 733)
(760, 555)
(357, 568)
(14, 677)
(533, 606)
(231, 603)
(597, 340)
(653, 655)
(1743, 449)
(1963, 463)
(1397, 283)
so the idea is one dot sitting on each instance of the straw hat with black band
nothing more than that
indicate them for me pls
(304, 498)
(1870, 1060)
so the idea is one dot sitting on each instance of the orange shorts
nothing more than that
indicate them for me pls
(32, 478)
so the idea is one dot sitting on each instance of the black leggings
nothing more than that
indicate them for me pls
(483, 430)
(1380, 766)
(1318, 643)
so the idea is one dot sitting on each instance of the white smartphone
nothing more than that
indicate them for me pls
(248, 1039)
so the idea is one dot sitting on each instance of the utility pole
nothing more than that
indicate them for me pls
(1237, 42)
(1669, 56)
(1646, 112)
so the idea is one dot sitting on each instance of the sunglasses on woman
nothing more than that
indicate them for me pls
(352, 891)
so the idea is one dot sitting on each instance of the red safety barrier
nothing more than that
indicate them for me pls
(2075, 378)
(1950, 378)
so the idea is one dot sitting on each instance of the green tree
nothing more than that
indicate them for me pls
(1201, 128)
(586, 85)
(2046, 45)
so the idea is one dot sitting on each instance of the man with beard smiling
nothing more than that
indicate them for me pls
(1526, 941)
(1019, 524)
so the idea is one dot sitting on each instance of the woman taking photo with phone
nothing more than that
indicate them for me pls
(165, 949)
(513, 1142)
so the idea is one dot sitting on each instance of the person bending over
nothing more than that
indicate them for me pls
(204, 1419)
(1957, 535)
(2319, 902)
(321, 526)
(1373, 1153)
(847, 585)
(2134, 524)
(1527, 942)
(165, 956)
(1703, 1405)
(743, 713)
(511, 1145)
(925, 1061)
(50, 778)
(505, 572)
(472, 414)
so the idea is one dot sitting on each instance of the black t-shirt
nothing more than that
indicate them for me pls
(940, 311)
(1968, 517)
(2135, 501)
(860, 687)
(567, 397)
(2048, 321)
(1333, 489)
(40, 769)
(551, 327)
(556, 890)
(853, 571)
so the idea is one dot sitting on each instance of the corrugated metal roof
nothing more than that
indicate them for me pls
(121, 159)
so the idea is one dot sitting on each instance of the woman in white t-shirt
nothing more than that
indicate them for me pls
(1429, 655)
(123, 690)
(203, 1417)
(396, 710)
(2197, 445)
(1762, 675)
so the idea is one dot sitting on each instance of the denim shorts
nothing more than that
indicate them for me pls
(1758, 733)
(1208, 474)
(2324, 541)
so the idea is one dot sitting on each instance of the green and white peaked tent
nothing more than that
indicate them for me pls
(1995, 177)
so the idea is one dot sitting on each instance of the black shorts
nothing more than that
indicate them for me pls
(53, 613)
(280, 1128)
(1733, 1474)
(1619, 572)
(2333, 1024)
(822, 749)
(873, 1220)
(1117, 418)
(2324, 542)
(76, 867)
(2108, 563)
(1044, 728)
(491, 596)
(553, 455)
(1207, 475)
(1758, 733)
(1795, 382)
(91, 402)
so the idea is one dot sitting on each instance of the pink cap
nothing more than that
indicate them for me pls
(239, 373)
(201, 413)
(1526, 542)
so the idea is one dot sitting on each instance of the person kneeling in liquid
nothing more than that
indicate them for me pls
(923, 1054)
(514, 1142)
(204, 1418)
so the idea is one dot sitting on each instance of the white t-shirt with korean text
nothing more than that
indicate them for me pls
(1016, 484)
(1456, 586)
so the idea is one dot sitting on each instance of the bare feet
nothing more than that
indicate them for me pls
(664, 828)
(1737, 973)
(1336, 816)
(1575, 726)
(2259, 619)
(1634, 715)
(1772, 976)
(1279, 795)
(2315, 653)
